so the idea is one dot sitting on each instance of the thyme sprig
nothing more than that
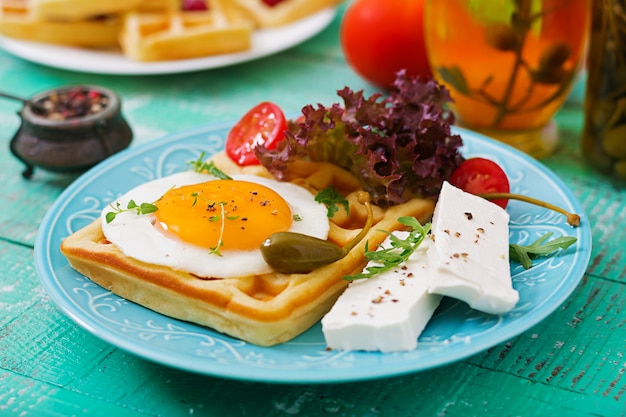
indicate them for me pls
(525, 254)
(143, 208)
(201, 166)
(399, 251)
(222, 217)
(215, 250)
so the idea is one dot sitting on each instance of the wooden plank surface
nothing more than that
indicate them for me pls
(571, 364)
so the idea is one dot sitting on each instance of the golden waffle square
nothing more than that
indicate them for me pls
(85, 9)
(158, 6)
(79, 9)
(264, 309)
(284, 12)
(17, 20)
(183, 35)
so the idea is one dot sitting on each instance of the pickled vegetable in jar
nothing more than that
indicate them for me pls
(604, 133)
(509, 65)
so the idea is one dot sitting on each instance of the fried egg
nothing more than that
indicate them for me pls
(211, 227)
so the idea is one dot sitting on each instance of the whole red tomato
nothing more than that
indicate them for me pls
(381, 37)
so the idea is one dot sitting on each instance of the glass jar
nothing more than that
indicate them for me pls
(509, 64)
(604, 132)
(70, 129)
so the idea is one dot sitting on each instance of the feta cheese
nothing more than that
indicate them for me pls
(469, 259)
(384, 313)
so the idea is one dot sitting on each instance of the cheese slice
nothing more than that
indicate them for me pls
(469, 259)
(384, 313)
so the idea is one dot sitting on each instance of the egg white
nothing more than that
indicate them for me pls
(135, 235)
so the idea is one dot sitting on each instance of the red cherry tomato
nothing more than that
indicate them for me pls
(481, 176)
(264, 124)
(381, 37)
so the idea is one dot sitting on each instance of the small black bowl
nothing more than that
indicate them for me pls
(70, 129)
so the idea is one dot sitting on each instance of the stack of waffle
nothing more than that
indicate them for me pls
(150, 30)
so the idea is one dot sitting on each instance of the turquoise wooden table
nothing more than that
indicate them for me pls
(573, 363)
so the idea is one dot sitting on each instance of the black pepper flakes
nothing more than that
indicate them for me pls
(469, 215)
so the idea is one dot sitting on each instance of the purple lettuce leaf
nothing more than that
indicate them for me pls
(399, 146)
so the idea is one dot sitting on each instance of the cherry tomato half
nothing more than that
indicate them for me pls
(264, 124)
(481, 176)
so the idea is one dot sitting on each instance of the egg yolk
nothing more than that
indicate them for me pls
(223, 214)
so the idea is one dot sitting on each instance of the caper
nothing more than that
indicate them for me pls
(295, 253)
(549, 75)
(501, 37)
(614, 142)
(620, 169)
(555, 55)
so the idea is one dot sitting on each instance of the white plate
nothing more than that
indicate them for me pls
(264, 42)
(455, 331)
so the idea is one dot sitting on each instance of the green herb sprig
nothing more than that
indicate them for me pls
(525, 254)
(332, 199)
(200, 166)
(220, 240)
(143, 208)
(399, 251)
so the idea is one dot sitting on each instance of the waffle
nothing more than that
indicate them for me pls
(284, 12)
(149, 30)
(182, 35)
(264, 309)
(72, 10)
(18, 20)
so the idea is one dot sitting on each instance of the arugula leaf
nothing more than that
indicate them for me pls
(399, 251)
(331, 198)
(525, 254)
(200, 166)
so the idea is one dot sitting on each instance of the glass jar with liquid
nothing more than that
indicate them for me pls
(604, 133)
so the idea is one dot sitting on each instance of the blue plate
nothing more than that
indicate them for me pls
(455, 332)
